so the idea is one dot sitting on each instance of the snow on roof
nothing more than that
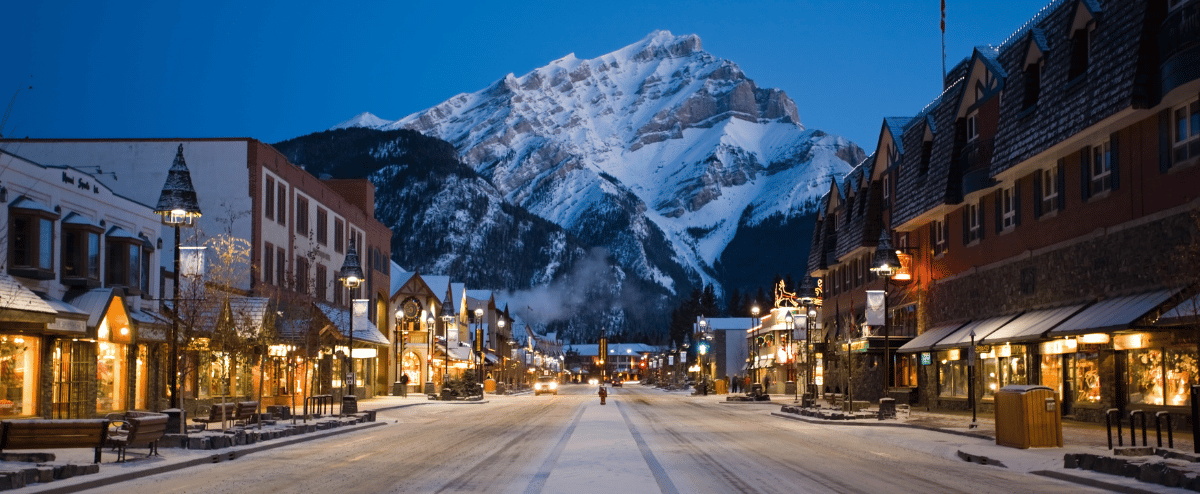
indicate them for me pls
(364, 329)
(399, 277)
(94, 303)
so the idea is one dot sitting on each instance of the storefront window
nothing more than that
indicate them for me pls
(18, 366)
(143, 383)
(906, 371)
(1087, 377)
(1052, 373)
(110, 377)
(1161, 376)
(1008, 367)
(952, 377)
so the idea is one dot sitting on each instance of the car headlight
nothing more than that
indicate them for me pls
(553, 385)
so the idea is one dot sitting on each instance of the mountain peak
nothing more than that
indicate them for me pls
(661, 44)
(364, 119)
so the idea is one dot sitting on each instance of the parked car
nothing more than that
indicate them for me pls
(545, 384)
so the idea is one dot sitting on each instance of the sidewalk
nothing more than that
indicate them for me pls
(978, 445)
(139, 465)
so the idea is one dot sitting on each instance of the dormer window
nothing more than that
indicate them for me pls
(1033, 84)
(1081, 42)
(31, 239)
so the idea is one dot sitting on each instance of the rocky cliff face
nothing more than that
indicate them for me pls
(659, 152)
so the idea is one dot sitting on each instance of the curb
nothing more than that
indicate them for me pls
(207, 460)
(865, 423)
(1090, 482)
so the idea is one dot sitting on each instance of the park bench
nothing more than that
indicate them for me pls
(245, 412)
(217, 413)
(142, 429)
(54, 434)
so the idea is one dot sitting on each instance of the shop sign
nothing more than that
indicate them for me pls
(926, 358)
(71, 325)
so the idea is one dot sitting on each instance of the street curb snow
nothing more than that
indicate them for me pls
(206, 460)
(867, 423)
(1090, 482)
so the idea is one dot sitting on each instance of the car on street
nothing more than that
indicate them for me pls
(545, 384)
(616, 383)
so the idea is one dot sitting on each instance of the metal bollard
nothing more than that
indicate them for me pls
(1108, 415)
(1158, 429)
(1133, 427)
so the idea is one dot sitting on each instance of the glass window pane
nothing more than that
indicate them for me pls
(135, 264)
(45, 244)
(93, 254)
(1195, 119)
(1181, 123)
(1087, 378)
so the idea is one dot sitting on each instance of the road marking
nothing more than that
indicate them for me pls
(660, 475)
(539, 479)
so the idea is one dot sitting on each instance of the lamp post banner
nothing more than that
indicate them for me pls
(875, 307)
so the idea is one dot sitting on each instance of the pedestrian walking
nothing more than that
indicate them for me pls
(603, 394)
(404, 385)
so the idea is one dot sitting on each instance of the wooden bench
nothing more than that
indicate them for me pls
(144, 429)
(217, 413)
(54, 434)
(245, 412)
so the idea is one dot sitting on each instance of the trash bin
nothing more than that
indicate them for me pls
(1027, 416)
(887, 408)
(176, 419)
(397, 388)
(789, 388)
(722, 387)
(349, 404)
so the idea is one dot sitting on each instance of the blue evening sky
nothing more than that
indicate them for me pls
(277, 70)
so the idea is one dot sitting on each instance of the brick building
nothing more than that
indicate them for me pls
(1042, 202)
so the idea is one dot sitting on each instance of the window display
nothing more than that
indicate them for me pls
(952, 377)
(1087, 377)
(1052, 373)
(17, 374)
(1161, 376)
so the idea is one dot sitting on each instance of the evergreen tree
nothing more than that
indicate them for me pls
(708, 302)
(733, 308)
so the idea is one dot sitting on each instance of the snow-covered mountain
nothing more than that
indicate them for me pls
(659, 152)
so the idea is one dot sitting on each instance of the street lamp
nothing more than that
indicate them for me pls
(886, 265)
(429, 322)
(808, 299)
(178, 206)
(479, 343)
(351, 276)
(447, 318)
(401, 337)
(757, 323)
(703, 350)
(793, 322)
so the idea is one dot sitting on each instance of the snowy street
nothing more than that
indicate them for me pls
(644, 440)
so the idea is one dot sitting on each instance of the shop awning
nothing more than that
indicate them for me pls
(924, 341)
(1031, 325)
(1185, 313)
(491, 358)
(364, 330)
(982, 328)
(1113, 314)
(20, 304)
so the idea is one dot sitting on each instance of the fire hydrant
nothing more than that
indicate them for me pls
(603, 394)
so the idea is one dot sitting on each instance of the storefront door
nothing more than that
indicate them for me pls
(74, 365)
(1068, 369)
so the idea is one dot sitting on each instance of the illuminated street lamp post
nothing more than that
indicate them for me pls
(401, 338)
(351, 277)
(703, 351)
(178, 206)
(447, 318)
(429, 322)
(808, 299)
(886, 265)
(794, 323)
(479, 344)
(754, 361)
